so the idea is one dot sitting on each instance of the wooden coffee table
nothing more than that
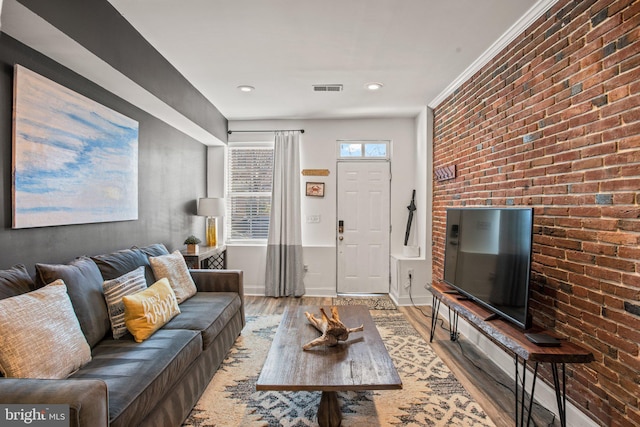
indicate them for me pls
(360, 363)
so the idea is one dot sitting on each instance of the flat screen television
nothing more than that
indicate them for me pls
(488, 259)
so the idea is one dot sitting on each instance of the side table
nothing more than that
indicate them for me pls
(514, 341)
(208, 257)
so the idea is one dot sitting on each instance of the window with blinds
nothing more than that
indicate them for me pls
(249, 183)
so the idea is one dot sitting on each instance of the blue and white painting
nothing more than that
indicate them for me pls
(74, 161)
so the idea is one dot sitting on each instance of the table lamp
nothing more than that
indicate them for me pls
(212, 208)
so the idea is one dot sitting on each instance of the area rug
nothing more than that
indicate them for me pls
(382, 302)
(431, 395)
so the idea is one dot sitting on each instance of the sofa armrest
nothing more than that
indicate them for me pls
(220, 281)
(87, 399)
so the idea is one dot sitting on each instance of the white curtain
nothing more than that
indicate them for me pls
(285, 266)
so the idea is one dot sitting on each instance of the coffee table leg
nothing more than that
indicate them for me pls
(329, 414)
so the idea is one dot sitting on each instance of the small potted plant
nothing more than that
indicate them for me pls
(192, 244)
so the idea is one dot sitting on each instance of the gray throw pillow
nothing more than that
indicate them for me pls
(156, 249)
(84, 286)
(115, 264)
(15, 281)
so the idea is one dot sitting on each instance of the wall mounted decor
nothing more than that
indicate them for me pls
(75, 161)
(315, 189)
(445, 173)
(315, 172)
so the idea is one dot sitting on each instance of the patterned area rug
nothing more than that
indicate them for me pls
(372, 302)
(431, 395)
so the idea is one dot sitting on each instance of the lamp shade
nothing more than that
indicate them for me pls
(211, 207)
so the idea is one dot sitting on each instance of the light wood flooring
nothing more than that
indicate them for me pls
(489, 385)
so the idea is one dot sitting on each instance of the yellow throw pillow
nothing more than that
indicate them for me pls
(148, 310)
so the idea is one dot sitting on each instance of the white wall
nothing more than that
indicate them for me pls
(407, 289)
(318, 151)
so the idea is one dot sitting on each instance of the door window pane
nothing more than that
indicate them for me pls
(350, 150)
(363, 149)
(375, 150)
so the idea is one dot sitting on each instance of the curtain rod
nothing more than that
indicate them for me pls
(272, 130)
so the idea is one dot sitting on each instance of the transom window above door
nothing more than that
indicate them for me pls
(368, 150)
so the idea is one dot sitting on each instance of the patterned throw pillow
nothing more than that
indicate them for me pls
(174, 268)
(40, 336)
(114, 290)
(147, 311)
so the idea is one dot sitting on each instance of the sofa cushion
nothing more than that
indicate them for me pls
(84, 285)
(15, 281)
(139, 374)
(114, 289)
(207, 312)
(156, 249)
(40, 336)
(174, 268)
(147, 311)
(115, 264)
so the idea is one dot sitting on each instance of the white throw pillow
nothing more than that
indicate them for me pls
(127, 284)
(174, 268)
(40, 336)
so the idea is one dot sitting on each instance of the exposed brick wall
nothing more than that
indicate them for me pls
(553, 122)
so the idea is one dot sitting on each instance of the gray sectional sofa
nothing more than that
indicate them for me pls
(127, 383)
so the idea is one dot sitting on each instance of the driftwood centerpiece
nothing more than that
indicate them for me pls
(332, 329)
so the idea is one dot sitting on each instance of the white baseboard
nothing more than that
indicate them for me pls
(258, 291)
(407, 301)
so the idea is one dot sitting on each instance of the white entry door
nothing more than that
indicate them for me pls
(363, 227)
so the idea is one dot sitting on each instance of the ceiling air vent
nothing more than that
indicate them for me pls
(327, 88)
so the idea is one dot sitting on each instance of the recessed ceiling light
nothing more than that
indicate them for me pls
(373, 85)
(246, 88)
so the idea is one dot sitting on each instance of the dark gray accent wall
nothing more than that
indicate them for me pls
(171, 176)
(100, 28)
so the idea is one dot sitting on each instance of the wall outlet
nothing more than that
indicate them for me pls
(410, 273)
(313, 219)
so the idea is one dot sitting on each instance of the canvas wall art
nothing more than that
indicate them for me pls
(75, 161)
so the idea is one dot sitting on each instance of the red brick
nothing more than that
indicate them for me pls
(599, 248)
(618, 342)
(604, 124)
(623, 158)
(616, 263)
(606, 75)
(588, 187)
(618, 238)
(629, 253)
(621, 185)
(622, 105)
(620, 212)
(587, 164)
(585, 211)
(584, 145)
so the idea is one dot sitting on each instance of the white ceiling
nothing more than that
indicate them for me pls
(421, 50)
(416, 48)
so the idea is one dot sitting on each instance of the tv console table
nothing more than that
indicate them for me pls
(512, 339)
